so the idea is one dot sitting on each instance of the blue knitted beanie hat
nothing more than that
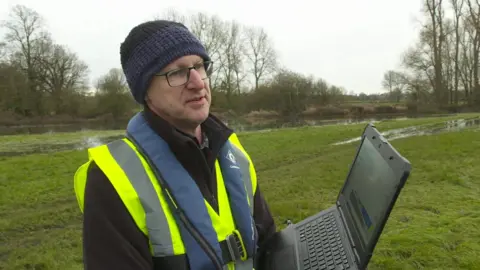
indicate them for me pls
(151, 46)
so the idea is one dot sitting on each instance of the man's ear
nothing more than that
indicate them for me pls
(148, 102)
(147, 98)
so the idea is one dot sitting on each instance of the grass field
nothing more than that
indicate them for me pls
(433, 226)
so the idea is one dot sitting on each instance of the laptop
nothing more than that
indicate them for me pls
(345, 235)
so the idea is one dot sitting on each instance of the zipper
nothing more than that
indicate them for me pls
(214, 200)
(200, 240)
(208, 181)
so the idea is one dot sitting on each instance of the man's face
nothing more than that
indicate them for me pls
(182, 102)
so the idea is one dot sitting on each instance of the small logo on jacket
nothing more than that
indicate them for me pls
(232, 159)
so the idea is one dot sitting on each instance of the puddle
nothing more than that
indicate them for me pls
(38, 148)
(449, 126)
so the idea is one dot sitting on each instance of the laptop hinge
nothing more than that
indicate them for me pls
(345, 225)
(350, 238)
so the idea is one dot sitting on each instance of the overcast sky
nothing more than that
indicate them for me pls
(349, 43)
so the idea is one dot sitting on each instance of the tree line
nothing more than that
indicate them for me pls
(442, 67)
(39, 77)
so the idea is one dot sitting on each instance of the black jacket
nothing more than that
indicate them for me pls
(111, 238)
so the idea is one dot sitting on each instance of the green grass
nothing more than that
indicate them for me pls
(433, 226)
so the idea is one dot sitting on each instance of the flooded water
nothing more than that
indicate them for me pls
(448, 126)
(54, 128)
(35, 144)
(95, 133)
(242, 126)
(17, 149)
(239, 125)
(279, 124)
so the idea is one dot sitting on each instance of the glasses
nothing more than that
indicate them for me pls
(181, 76)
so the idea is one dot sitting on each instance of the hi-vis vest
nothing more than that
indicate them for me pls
(168, 207)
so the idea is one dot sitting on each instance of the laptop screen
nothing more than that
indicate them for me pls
(370, 188)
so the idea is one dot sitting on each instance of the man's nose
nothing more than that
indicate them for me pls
(195, 80)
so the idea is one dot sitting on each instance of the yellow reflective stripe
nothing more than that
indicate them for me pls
(104, 160)
(119, 166)
(79, 181)
(247, 170)
(175, 237)
(157, 225)
(253, 176)
(222, 222)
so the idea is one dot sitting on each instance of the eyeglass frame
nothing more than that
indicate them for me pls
(208, 71)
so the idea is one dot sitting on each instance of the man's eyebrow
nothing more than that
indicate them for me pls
(183, 64)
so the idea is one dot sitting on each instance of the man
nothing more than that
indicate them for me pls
(179, 192)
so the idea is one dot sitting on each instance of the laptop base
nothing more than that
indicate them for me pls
(318, 242)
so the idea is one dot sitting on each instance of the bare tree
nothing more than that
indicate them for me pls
(113, 95)
(114, 82)
(293, 92)
(457, 6)
(261, 54)
(474, 12)
(448, 61)
(172, 15)
(320, 93)
(212, 32)
(465, 61)
(13, 89)
(25, 37)
(394, 83)
(62, 72)
(389, 82)
(436, 37)
(230, 58)
(3, 52)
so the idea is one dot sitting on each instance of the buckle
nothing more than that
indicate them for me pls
(235, 247)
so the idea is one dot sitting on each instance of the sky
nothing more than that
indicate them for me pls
(349, 43)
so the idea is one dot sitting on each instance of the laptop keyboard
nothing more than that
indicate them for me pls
(324, 245)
